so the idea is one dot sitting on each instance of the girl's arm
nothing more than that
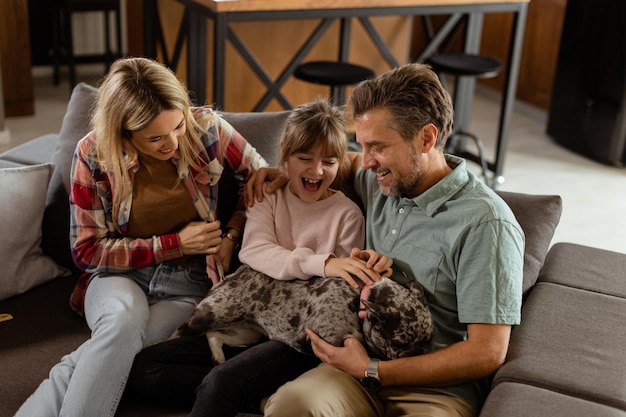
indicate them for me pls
(239, 156)
(263, 251)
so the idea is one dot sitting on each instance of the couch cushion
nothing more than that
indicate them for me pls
(569, 341)
(24, 264)
(512, 400)
(33, 152)
(9, 164)
(56, 241)
(262, 130)
(606, 274)
(75, 126)
(538, 215)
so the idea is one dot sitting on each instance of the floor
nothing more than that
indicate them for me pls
(594, 205)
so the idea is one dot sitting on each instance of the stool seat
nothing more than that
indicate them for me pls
(332, 73)
(461, 64)
(63, 48)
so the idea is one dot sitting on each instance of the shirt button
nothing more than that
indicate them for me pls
(401, 211)
(394, 231)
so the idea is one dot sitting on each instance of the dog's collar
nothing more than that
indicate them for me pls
(365, 292)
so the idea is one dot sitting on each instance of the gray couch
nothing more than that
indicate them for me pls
(565, 359)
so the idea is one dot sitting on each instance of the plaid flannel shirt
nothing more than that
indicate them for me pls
(97, 246)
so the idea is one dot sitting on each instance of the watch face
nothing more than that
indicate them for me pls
(370, 383)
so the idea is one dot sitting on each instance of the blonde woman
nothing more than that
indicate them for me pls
(143, 207)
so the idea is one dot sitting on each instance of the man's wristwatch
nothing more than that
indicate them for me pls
(371, 382)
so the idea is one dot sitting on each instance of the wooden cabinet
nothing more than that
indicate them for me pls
(17, 80)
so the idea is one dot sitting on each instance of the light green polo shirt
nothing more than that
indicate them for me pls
(462, 243)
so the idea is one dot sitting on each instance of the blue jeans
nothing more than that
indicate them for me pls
(125, 312)
(181, 372)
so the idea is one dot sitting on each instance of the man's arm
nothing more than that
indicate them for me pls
(477, 357)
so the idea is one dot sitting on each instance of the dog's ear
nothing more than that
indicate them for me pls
(416, 288)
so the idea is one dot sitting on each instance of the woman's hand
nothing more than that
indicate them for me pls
(200, 238)
(227, 251)
(254, 186)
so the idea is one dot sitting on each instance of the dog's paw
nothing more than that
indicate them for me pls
(215, 344)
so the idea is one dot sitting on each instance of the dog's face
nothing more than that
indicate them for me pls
(398, 322)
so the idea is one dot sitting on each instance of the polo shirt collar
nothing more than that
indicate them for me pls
(436, 196)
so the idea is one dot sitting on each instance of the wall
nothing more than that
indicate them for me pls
(538, 64)
(273, 43)
(542, 38)
(541, 48)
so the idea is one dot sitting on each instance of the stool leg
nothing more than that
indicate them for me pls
(108, 53)
(70, 48)
(454, 147)
(118, 30)
(56, 45)
(335, 95)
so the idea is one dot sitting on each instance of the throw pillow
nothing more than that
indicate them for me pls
(75, 126)
(24, 265)
(538, 215)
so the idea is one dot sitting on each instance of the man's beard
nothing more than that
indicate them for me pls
(407, 185)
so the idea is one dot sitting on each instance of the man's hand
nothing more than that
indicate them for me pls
(351, 358)
(374, 261)
(254, 186)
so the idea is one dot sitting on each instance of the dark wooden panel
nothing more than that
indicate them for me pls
(17, 80)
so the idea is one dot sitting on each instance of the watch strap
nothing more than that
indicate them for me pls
(372, 368)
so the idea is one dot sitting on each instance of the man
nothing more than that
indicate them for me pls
(442, 227)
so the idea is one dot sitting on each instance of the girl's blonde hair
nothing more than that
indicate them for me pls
(131, 95)
(317, 123)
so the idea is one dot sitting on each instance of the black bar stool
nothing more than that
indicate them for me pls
(334, 74)
(465, 65)
(63, 48)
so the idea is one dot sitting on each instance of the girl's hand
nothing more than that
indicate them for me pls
(351, 269)
(200, 238)
(374, 260)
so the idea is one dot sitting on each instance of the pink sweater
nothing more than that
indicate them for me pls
(287, 238)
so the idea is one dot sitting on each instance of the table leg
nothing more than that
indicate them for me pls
(510, 88)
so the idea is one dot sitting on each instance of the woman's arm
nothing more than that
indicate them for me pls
(96, 244)
(243, 160)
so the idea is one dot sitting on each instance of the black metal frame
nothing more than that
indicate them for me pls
(194, 29)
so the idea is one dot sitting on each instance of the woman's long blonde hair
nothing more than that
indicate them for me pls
(131, 95)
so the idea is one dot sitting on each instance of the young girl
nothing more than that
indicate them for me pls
(143, 205)
(307, 229)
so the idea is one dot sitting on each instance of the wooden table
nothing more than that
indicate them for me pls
(224, 12)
